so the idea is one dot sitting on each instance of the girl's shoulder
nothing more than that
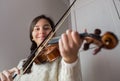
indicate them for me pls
(21, 62)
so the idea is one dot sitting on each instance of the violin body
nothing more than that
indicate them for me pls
(48, 54)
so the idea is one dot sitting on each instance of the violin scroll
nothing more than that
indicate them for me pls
(109, 40)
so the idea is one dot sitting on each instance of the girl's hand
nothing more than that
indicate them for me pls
(6, 75)
(69, 45)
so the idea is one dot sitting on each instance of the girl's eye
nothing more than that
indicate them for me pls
(36, 29)
(44, 27)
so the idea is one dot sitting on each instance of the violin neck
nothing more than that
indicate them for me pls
(54, 40)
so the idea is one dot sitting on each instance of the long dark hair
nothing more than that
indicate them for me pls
(34, 45)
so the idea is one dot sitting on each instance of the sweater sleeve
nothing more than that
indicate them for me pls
(70, 72)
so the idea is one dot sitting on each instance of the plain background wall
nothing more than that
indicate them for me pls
(91, 14)
(15, 18)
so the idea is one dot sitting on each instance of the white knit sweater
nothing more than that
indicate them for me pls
(55, 71)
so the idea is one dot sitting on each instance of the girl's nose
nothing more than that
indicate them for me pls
(41, 31)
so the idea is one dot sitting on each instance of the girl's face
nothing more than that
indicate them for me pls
(40, 31)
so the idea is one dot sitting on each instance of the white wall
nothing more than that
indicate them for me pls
(15, 18)
(91, 14)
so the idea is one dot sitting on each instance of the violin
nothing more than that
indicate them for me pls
(49, 49)
(106, 41)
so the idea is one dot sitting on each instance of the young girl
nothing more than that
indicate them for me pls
(66, 68)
